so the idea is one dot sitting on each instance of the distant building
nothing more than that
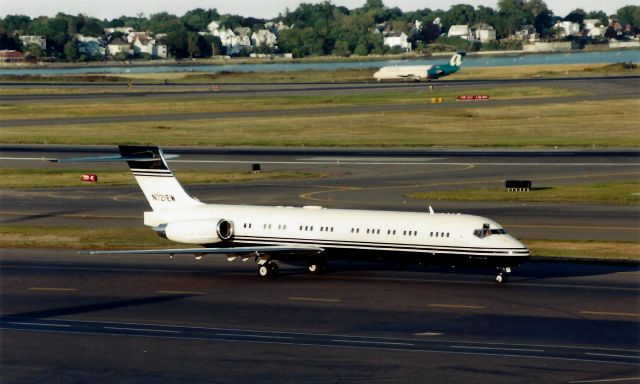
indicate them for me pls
(276, 28)
(11, 56)
(567, 28)
(461, 30)
(594, 27)
(264, 38)
(484, 32)
(90, 46)
(213, 27)
(117, 46)
(526, 33)
(40, 41)
(144, 44)
(124, 30)
(397, 39)
(242, 31)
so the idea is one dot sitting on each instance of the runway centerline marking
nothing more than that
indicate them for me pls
(610, 313)
(142, 330)
(429, 334)
(606, 380)
(256, 336)
(182, 292)
(40, 324)
(51, 289)
(371, 342)
(456, 306)
(315, 299)
(610, 355)
(498, 349)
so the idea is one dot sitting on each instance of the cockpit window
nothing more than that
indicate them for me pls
(486, 231)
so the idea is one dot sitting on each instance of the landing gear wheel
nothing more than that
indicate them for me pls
(317, 267)
(502, 276)
(274, 270)
(268, 270)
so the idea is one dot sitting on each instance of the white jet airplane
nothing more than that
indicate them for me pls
(311, 234)
(420, 72)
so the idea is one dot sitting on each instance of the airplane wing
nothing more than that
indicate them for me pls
(271, 250)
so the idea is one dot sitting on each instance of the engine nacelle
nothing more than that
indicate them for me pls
(197, 231)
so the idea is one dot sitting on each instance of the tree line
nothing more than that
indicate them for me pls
(317, 29)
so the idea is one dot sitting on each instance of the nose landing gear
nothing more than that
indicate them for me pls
(502, 275)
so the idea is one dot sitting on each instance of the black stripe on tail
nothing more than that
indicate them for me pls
(151, 159)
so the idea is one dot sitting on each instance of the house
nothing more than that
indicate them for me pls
(525, 33)
(416, 27)
(213, 27)
(90, 46)
(567, 28)
(40, 41)
(11, 56)
(484, 32)
(124, 30)
(460, 30)
(242, 31)
(117, 46)
(144, 44)
(264, 38)
(233, 43)
(397, 39)
(594, 27)
(276, 28)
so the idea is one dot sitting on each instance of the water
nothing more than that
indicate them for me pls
(604, 57)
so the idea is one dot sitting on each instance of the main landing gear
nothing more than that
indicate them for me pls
(502, 275)
(317, 267)
(268, 269)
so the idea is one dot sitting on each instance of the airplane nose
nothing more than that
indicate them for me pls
(522, 249)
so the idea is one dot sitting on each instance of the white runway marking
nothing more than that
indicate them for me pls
(141, 330)
(498, 349)
(606, 380)
(40, 324)
(366, 161)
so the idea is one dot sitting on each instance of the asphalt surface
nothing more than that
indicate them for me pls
(70, 318)
(352, 178)
(75, 318)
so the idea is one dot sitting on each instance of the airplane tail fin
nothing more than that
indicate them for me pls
(456, 60)
(156, 180)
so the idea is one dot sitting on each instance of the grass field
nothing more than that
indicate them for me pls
(150, 106)
(597, 193)
(55, 178)
(608, 123)
(77, 238)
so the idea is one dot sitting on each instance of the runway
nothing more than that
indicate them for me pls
(148, 318)
(590, 89)
(350, 179)
(68, 317)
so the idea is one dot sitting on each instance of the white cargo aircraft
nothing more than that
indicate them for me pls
(420, 72)
(312, 234)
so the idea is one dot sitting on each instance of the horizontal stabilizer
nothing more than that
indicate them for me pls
(104, 159)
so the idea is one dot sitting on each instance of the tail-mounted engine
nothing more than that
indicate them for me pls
(197, 231)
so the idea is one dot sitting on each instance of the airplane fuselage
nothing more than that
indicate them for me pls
(428, 238)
